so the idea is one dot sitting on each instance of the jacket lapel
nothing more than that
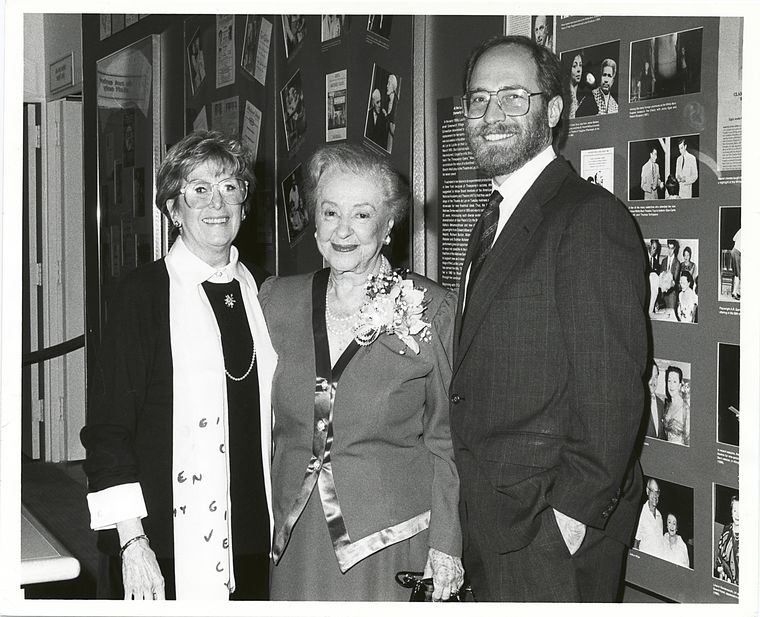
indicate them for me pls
(506, 253)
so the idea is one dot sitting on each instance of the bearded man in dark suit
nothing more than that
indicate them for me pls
(550, 350)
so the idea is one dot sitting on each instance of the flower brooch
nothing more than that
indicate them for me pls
(395, 306)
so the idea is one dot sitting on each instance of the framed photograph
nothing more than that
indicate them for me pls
(542, 29)
(666, 523)
(382, 105)
(672, 266)
(730, 254)
(666, 65)
(293, 111)
(669, 406)
(593, 77)
(726, 534)
(296, 216)
(294, 32)
(196, 62)
(728, 394)
(248, 52)
(663, 168)
(333, 27)
(380, 25)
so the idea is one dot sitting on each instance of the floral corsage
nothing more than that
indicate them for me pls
(393, 305)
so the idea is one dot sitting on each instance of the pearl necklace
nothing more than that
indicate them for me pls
(250, 366)
(345, 325)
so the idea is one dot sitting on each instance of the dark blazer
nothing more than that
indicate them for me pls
(128, 435)
(547, 391)
(660, 434)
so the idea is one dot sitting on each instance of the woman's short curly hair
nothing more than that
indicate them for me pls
(195, 149)
(362, 161)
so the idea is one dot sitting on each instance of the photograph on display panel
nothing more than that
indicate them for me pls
(666, 524)
(672, 266)
(663, 168)
(728, 394)
(726, 534)
(296, 215)
(539, 28)
(196, 62)
(293, 33)
(666, 65)
(381, 108)
(593, 77)
(542, 30)
(669, 403)
(250, 40)
(380, 25)
(333, 27)
(730, 251)
(293, 111)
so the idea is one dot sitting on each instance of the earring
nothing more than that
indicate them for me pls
(177, 224)
(387, 239)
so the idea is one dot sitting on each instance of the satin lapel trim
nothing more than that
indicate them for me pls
(505, 254)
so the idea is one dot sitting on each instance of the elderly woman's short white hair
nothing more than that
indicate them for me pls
(362, 161)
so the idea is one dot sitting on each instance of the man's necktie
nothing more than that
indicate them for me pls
(485, 232)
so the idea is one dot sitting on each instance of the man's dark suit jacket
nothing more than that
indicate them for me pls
(547, 392)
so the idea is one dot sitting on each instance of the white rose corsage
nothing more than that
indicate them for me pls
(393, 305)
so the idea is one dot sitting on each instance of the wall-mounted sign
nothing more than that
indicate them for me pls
(62, 73)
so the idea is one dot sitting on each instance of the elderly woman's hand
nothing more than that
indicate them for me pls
(447, 573)
(140, 573)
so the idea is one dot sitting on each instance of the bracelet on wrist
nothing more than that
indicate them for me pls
(129, 543)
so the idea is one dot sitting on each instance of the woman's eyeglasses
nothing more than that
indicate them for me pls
(199, 193)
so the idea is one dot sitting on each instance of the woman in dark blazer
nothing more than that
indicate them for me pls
(363, 473)
(177, 451)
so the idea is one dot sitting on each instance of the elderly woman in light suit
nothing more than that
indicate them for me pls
(363, 472)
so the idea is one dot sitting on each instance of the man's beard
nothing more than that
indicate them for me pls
(497, 159)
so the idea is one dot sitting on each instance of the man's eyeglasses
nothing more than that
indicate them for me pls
(199, 193)
(511, 101)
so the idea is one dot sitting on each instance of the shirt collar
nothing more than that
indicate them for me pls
(194, 271)
(513, 189)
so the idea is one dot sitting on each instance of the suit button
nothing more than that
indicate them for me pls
(455, 398)
(317, 465)
(321, 425)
